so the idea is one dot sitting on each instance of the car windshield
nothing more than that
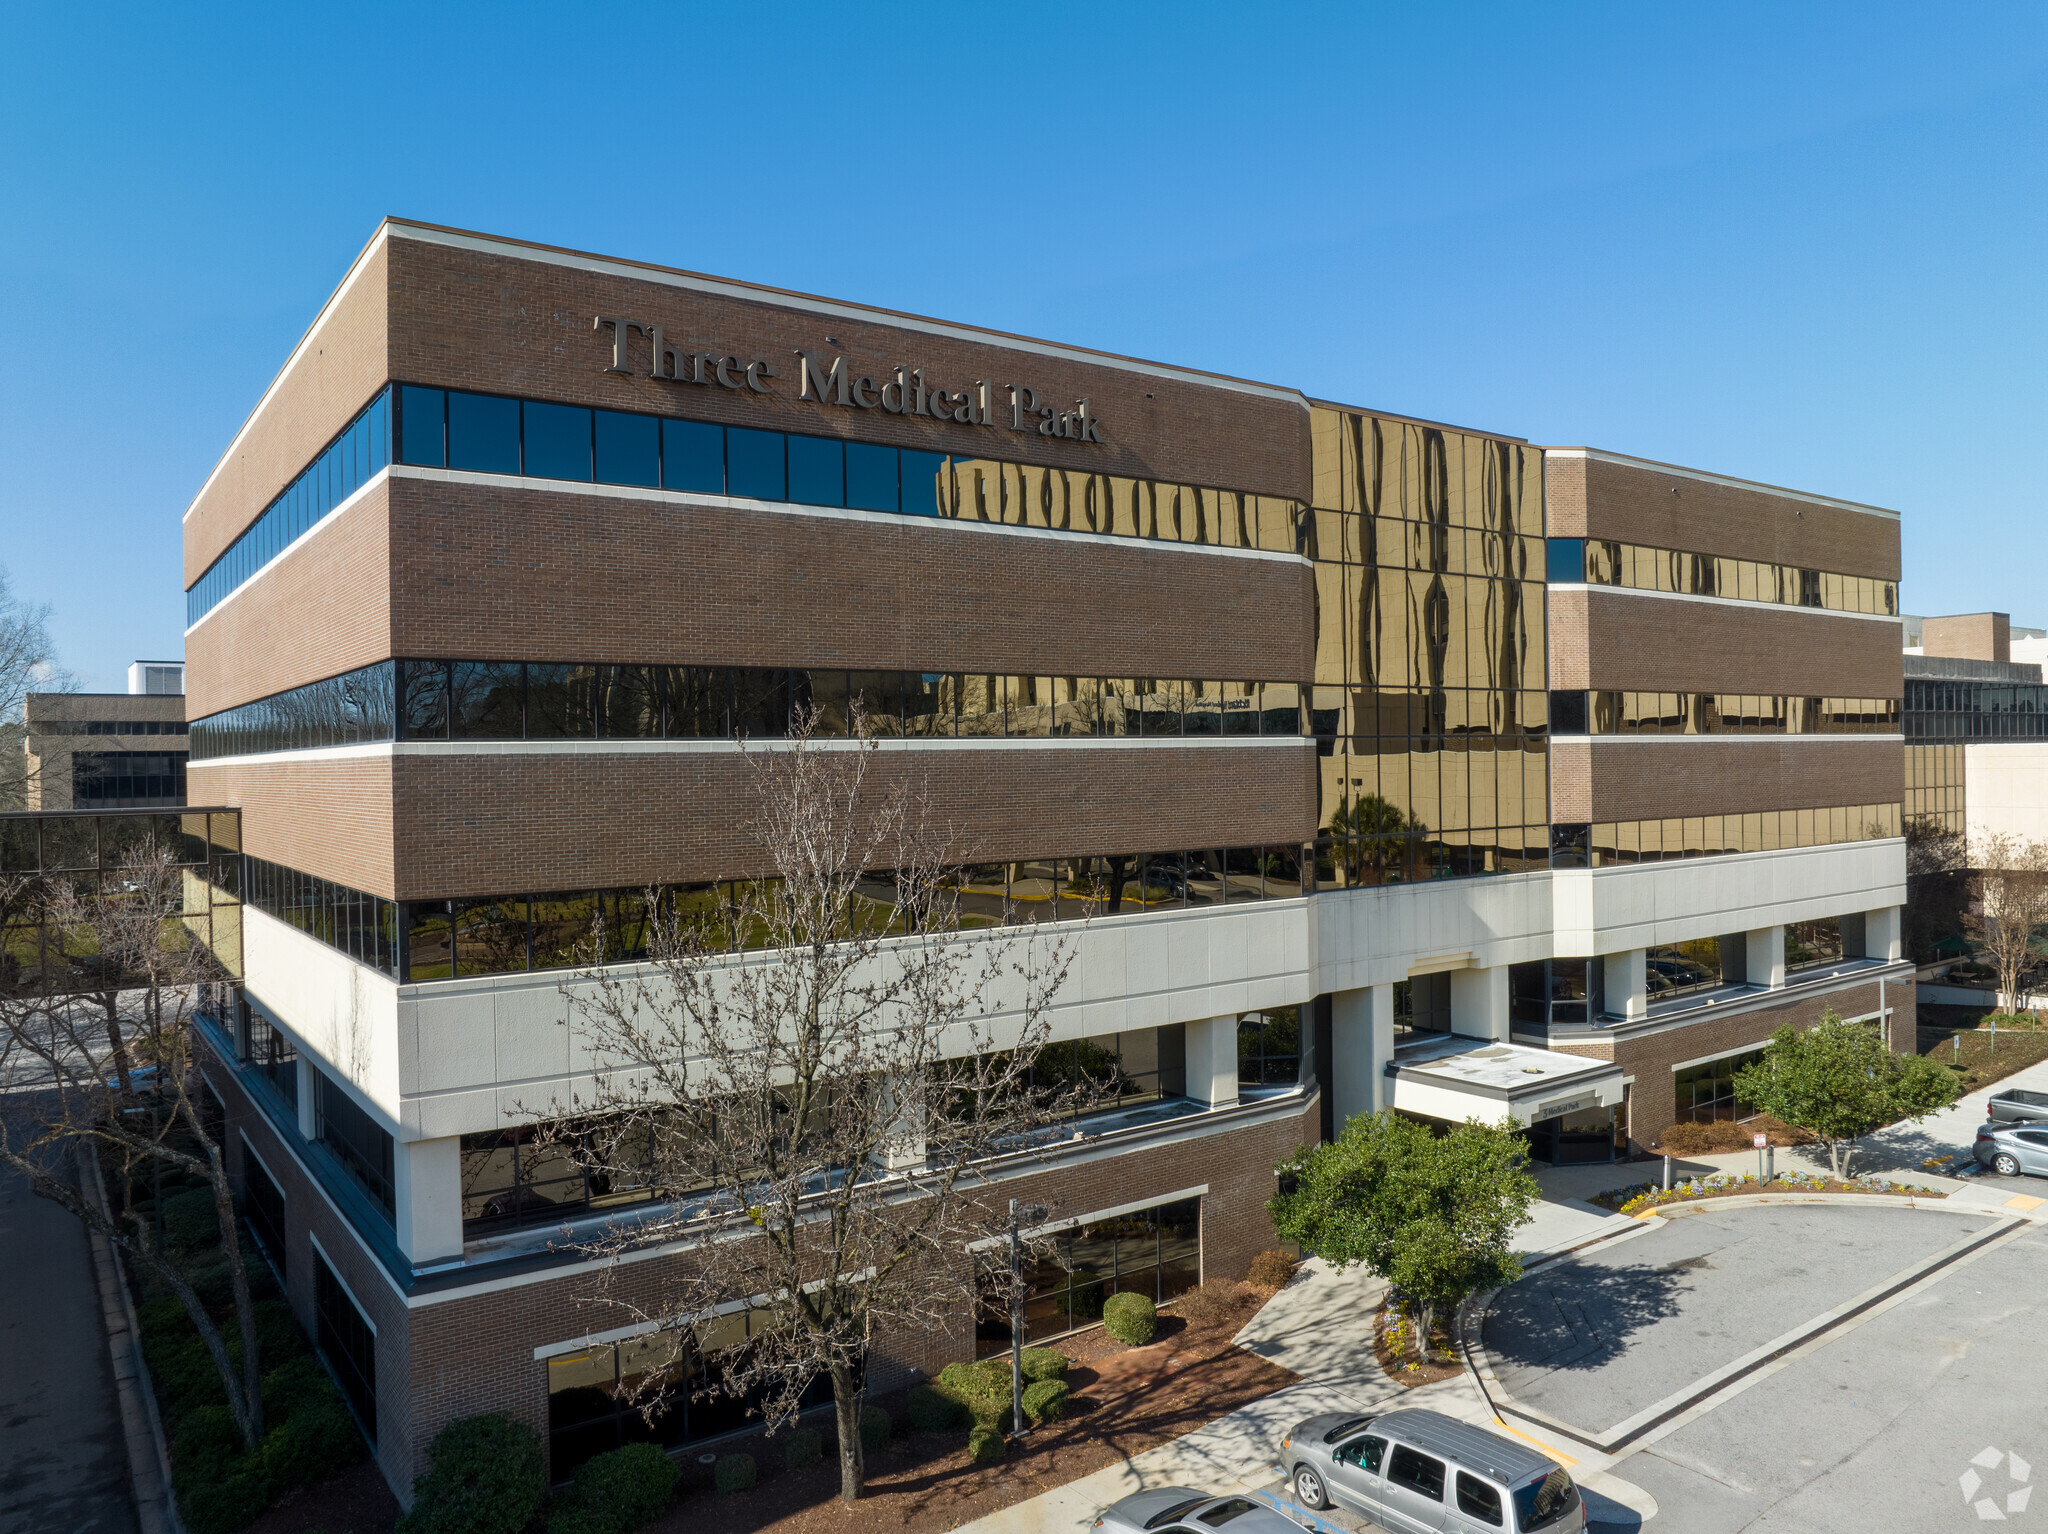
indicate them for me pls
(1161, 1519)
(1541, 1503)
(1348, 1425)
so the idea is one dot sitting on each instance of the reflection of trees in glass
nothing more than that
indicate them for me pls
(1374, 838)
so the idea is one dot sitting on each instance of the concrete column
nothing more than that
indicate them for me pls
(1884, 933)
(1479, 1003)
(1627, 984)
(1765, 951)
(309, 1099)
(1361, 1044)
(428, 1198)
(1212, 1060)
(906, 1144)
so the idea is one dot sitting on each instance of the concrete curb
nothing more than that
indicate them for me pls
(149, 1458)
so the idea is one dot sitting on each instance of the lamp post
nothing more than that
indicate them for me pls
(1019, 1213)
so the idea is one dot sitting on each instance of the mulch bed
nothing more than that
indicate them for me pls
(1399, 1361)
(1126, 1400)
(355, 1502)
(1644, 1196)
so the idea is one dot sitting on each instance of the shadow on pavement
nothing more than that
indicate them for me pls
(1574, 1315)
(1604, 1515)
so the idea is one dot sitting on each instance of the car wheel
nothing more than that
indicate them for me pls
(1308, 1486)
(2005, 1164)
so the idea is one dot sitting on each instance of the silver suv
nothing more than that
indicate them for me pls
(1416, 1472)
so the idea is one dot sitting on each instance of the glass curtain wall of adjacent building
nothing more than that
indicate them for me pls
(1429, 708)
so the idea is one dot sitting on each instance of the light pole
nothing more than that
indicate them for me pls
(1018, 1214)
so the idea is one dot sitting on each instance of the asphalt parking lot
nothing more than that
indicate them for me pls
(1926, 1411)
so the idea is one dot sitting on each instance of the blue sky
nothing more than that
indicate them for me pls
(1798, 244)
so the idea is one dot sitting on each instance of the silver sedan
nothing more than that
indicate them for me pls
(2010, 1149)
(1183, 1510)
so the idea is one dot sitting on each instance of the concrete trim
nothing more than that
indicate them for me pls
(375, 481)
(730, 746)
(1679, 740)
(1685, 596)
(1070, 1221)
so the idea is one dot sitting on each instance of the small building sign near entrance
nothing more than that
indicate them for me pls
(1759, 1141)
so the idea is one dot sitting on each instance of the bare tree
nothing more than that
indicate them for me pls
(27, 663)
(813, 1117)
(2010, 886)
(110, 1056)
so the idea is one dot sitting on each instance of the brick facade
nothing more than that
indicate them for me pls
(1631, 500)
(442, 1356)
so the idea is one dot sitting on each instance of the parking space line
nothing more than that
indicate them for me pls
(1555, 1453)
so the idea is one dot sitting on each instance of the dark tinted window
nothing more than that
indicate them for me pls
(557, 441)
(1417, 1472)
(754, 464)
(423, 700)
(486, 700)
(1568, 713)
(483, 433)
(1567, 561)
(1542, 1503)
(348, 1343)
(693, 457)
(1226, 1512)
(559, 702)
(696, 702)
(1478, 1499)
(629, 702)
(920, 475)
(628, 449)
(760, 703)
(420, 427)
(871, 477)
(817, 471)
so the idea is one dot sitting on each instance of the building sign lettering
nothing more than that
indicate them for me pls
(834, 383)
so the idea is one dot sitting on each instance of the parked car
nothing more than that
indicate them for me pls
(2010, 1149)
(2018, 1104)
(1183, 1510)
(1412, 1471)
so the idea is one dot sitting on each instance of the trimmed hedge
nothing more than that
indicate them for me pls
(615, 1492)
(1130, 1319)
(934, 1409)
(985, 1446)
(875, 1427)
(735, 1473)
(1045, 1401)
(806, 1446)
(1045, 1364)
(308, 1437)
(485, 1475)
(1270, 1270)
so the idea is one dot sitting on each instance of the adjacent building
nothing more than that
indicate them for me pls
(108, 750)
(1421, 767)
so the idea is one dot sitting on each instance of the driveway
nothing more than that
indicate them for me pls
(1798, 1368)
(63, 1461)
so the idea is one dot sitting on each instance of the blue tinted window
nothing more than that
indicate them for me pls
(921, 482)
(753, 463)
(870, 477)
(557, 441)
(483, 433)
(380, 431)
(419, 427)
(628, 449)
(693, 456)
(817, 471)
(1567, 561)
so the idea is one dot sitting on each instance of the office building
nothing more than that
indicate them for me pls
(108, 750)
(1418, 767)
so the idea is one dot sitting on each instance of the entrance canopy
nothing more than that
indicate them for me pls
(1449, 1076)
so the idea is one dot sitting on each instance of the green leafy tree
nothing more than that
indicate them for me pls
(1370, 828)
(1429, 1211)
(1841, 1080)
